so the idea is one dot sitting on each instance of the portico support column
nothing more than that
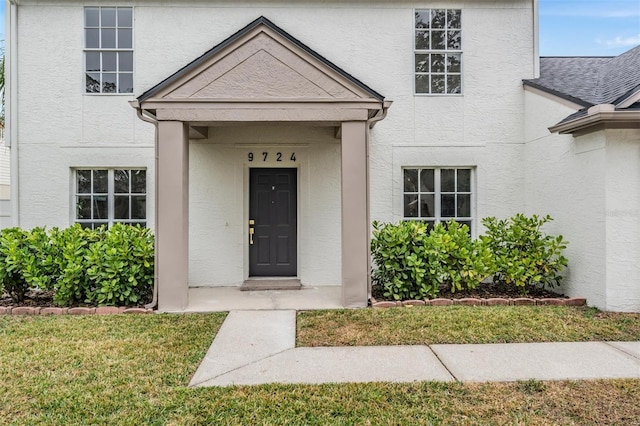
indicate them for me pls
(355, 222)
(172, 215)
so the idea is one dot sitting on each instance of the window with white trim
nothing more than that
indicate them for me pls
(438, 194)
(438, 51)
(107, 196)
(108, 49)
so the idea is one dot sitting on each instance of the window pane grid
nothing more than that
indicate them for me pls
(438, 51)
(108, 33)
(438, 194)
(107, 196)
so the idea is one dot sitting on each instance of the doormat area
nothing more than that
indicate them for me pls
(270, 284)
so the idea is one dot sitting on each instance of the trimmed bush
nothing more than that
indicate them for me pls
(524, 255)
(72, 284)
(122, 265)
(412, 262)
(459, 262)
(400, 254)
(15, 257)
(102, 266)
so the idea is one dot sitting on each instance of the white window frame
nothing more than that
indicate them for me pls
(437, 192)
(111, 194)
(446, 51)
(100, 50)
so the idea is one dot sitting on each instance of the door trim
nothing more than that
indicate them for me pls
(246, 213)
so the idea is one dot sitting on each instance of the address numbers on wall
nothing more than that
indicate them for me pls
(271, 156)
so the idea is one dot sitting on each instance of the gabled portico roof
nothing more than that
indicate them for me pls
(261, 63)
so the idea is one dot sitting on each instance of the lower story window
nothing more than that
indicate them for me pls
(108, 196)
(438, 194)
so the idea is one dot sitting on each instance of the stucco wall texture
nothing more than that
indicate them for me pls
(588, 184)
(565, 180)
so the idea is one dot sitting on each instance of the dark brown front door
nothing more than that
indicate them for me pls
(273, 216)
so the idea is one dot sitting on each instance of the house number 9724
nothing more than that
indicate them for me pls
(279, 156)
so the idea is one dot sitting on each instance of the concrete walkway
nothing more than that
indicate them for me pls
(222, 299)
(257, 347)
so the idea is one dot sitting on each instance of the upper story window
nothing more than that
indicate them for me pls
(438, 51)
(438, 194)
(108, 49)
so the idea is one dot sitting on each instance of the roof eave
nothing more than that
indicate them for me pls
(629, 98)
(598, 121)
(556, 93)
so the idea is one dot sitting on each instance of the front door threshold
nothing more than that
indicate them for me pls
(270, 283)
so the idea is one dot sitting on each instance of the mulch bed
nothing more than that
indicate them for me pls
(34, 298)
(41, 302)
(484, 291)
(486, 294)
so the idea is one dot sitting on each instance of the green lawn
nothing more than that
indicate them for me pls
(133, 370)
(419, 325)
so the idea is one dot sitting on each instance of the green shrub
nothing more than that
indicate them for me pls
(72, 284)
(400, 254)
(40, 270)
(122, 265)
(457, 262)
(524, 255)
(414, 263)
(105, 266)
(14, 256)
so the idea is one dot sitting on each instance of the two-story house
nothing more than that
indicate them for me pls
(260, 139)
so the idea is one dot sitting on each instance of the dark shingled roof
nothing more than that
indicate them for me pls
(590, 81)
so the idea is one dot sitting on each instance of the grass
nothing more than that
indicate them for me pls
(132, 370)
(463, 324)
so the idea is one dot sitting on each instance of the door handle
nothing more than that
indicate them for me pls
(251, 231)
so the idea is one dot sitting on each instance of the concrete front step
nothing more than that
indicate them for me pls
(270, 284)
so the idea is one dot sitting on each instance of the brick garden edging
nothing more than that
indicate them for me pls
(105, 310)
(518, 301)
(468, 301)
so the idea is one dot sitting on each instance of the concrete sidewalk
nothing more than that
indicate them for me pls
(257, 347)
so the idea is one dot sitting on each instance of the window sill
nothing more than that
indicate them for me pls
(439, 95)
(109, 94)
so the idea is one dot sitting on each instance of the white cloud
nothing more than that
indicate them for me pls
(620, 41)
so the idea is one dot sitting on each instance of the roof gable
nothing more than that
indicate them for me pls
(261, 61)
(620, 77)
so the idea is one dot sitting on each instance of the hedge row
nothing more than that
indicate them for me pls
(412, 261)
(106, 267)
(115, 266)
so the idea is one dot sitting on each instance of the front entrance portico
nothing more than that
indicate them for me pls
(259, 76)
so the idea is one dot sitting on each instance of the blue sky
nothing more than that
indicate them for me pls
(572, 27)
(588, 27)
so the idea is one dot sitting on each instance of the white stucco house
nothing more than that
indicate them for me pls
(260, 139)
